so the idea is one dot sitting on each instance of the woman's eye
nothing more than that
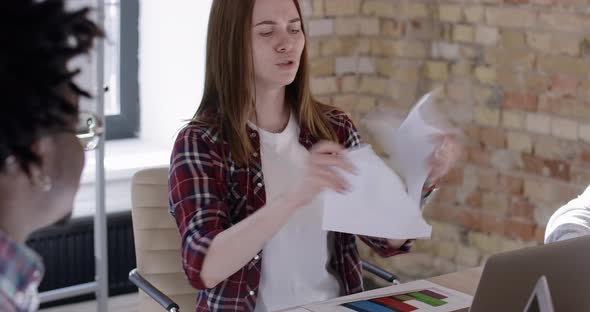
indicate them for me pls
(266, 34)
(295, 31)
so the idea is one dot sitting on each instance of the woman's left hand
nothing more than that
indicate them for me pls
(446, 153)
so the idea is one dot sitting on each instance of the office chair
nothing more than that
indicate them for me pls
(157, 254)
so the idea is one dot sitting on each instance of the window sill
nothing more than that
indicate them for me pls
(123, 159)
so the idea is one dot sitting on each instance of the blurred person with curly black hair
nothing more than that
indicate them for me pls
(41, 159)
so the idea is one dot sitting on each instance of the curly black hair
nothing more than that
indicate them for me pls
(37, 40)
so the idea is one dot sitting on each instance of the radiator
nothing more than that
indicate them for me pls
(68, 253)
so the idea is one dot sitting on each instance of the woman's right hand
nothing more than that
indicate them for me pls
(321, 174)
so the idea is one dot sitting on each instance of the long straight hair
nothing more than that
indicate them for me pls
(228, 97)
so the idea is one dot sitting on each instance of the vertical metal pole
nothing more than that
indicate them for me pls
(100, 219)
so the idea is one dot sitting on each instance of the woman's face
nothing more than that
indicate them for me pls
(277, 42)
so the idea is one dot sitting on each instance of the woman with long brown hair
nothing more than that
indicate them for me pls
(246, 172)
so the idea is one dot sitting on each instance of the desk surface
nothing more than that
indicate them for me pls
(464, 281)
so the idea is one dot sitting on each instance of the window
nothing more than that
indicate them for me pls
(121, 67)
(112, 55)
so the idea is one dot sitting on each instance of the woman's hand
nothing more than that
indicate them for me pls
(321, 174)
(447, 152)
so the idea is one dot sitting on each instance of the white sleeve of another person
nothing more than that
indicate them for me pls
(571, 220)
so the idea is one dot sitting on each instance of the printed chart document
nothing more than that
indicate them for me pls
(380, 204)
(418, 296)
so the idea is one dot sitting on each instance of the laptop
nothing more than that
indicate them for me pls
(508, 278)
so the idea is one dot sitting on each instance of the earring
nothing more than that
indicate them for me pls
(10, 164)
(10, 161)
(42, 181)
(45, 183)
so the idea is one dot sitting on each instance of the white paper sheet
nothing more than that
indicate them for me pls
(381, 204)
(378, 204)
(412, 146)
(408, 141)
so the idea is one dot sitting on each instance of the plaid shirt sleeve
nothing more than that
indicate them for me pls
(196, 168)
(350, 137)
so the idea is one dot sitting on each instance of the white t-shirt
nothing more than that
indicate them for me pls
(294, 261)
(571, 220)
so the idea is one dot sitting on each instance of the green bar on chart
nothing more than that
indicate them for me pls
(427, 299)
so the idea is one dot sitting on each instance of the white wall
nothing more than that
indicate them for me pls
(172, 40)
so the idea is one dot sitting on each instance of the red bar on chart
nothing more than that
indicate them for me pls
(395, 304)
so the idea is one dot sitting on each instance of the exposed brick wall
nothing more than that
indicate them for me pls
(516, 75)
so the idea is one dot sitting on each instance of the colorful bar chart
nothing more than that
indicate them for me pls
(407, 302)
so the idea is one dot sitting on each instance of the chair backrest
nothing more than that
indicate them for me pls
(157, 241)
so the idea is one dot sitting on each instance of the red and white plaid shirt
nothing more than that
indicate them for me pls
(21, 271)
(208, 194)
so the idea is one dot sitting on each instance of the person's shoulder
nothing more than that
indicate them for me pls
(586, 197)
(203, 132)
(197, 141)
(338, 119)
(200, 131)
(342, 125)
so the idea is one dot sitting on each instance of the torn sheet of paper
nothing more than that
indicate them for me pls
(409, 141)
(378, 204)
